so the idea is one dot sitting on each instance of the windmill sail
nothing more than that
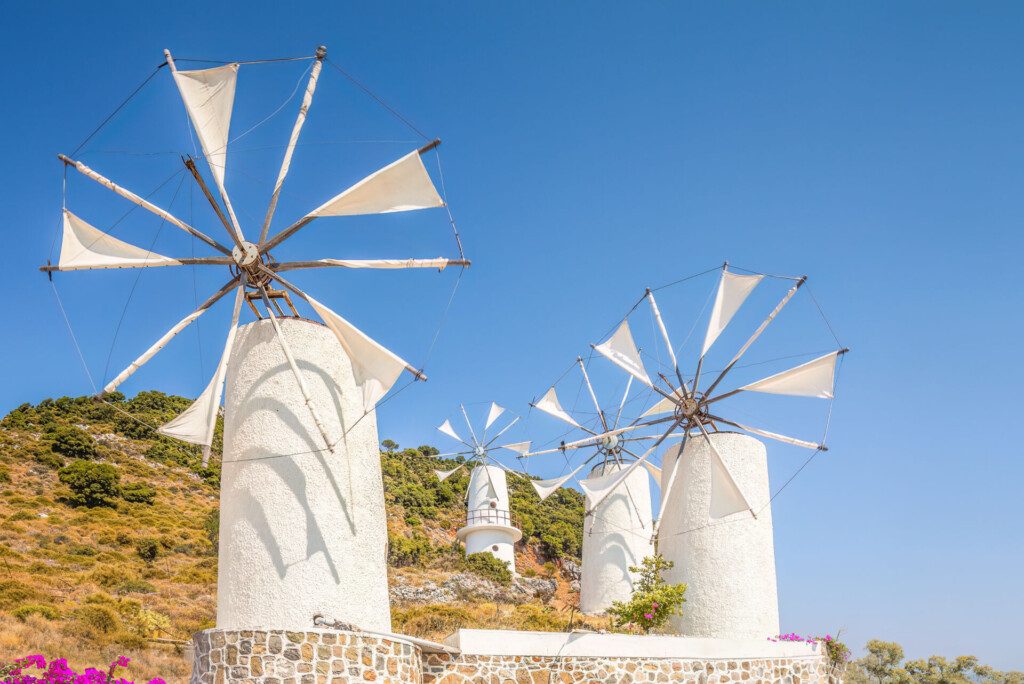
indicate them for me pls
(726, 497)
(665, 405)
(493, 414)
(443, 475)
(621, 350)
(815, 378)
(403, 185)
(550, 405)
(733, 290)
(374, 367)
(446, 428)
(520, 448)
(85, 247)
(546, 488)
(209, 96)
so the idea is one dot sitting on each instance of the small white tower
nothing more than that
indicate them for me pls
(616, 535)
(489, 524)
(727, 563)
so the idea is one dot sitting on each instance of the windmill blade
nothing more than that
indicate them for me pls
(446, 428)
(664, 405)
(145, 204)
(307, 100)
(85, 247)
(501, 432)
(550, 405)
(197, 423)
(521, 448)
(590, 390)
(654, 470)
(167, 337)
(664, 336)
(757, 333)
(443, 475)
(726, 496)
(403, 185)
(771, 435)
(816, 378)
(493, 414)
(586, 441)
(472, 432)
(601, 487)
(621, 350)
(667, 489)
(733, 290)
(209, 98)
(439, 263)
(639, 461)
(546, 488)
(622, 404)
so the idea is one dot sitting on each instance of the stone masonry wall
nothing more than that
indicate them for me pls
(334, 657)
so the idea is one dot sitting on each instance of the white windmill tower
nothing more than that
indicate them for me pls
(302, 508)
(490, 525)
(617, 530)
(715, 475)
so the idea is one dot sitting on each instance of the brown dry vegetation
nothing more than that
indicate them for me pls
(82, 583)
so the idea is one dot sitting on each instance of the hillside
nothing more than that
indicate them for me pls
(108, 537)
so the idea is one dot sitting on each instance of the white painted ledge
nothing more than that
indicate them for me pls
(497, 642)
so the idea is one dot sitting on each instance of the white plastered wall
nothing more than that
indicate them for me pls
(302, 531)
(616, 536)
(728, 563)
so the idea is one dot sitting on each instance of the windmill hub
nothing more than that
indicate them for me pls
(610, 444)
(479, 452)
(246, 254)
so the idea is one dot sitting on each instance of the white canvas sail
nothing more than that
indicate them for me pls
(443, 475)
(446, 428)
(654, 470)
(209, 96)
(621, 350)
(665, 405)
(726, 497)
(815, 378)
(197, 423)
(546, 488)
(550, 405)
(374, 367)
(85, 247)
(403, 185)
(493, 414)
(733, 290)
(597, 489)
(439, 263)
(520, 448)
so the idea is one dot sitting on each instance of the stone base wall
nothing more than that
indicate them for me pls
(334, 657)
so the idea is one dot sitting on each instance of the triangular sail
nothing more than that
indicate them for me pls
(446, 428)
(815, 378)
(733, 290)
(403, 185)
(209, 96)
(549, 404)
(443, 475)
(621, 350)
(665, 405)
(654, 470)
(546, 488)
(85, 247)
(520, 448)
(197, 423)
(493, 414)
(374, 367)
(599, 488)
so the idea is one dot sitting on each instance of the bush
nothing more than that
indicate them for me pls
(48, 612)
(404, 551)
(653, 601)
(91, 484)
(487, 566)
(147, 549)
(138, 492)
(49, 459)
(97, 620)
(5, 473)
(73, 442)
(431, 620)
(211, 525)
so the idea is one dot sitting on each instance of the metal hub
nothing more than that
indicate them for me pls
(609, 445)
(246, 254)
(692, 410)
(479, 452)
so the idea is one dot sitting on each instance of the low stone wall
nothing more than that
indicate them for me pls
(334, 657)
(310, 657)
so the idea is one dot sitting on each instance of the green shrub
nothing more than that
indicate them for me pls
(147, 549)
(429, 620)
(487, 566)
(5, 473)
(211, 526)
(404, 551)
(138, 492)
(536, 618)
(49, 459)
(48, 612)
(14, 593)
(653, 601)
(92, 484)
(97, 620)
(73, 442)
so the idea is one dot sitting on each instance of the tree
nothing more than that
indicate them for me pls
(73, 442)
(938, 670)
(91, 484)
(882, 660)
(653, 601)
(390, 446)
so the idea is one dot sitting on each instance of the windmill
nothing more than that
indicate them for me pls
(302, 519)
(490, 526)
(719, 471)
(617, 530)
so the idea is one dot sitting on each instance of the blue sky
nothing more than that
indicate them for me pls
(592, 150)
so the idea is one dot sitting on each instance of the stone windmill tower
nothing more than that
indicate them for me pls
(490, 524)
(302, 524)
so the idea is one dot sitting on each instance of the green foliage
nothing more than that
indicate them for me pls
(49, 459)
(653, 601)
(489, 567)
(147, 549)
(14, 593)
(5, 474)
(431, 619)
(389, 446)
(555, 523)
(883, 663)
(91, 484)
(48, 612)
(138, 492)
(73, 442)
(97, 620)
(405, 551)
(211, 526)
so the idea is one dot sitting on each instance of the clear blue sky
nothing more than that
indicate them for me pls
(592, 150)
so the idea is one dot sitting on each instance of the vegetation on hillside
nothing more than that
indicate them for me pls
(884, 663)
